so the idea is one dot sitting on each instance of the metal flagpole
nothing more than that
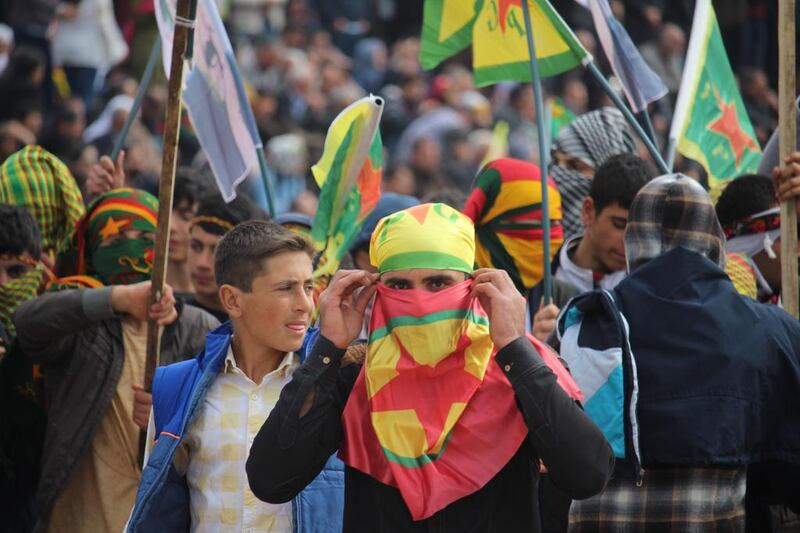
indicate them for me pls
(147, 77)
(654, 153)
(536, 83)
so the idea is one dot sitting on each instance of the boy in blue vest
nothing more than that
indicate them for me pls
(208, 410)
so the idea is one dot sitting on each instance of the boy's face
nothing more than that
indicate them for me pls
(606, 232)
(179, 225)
(426, 279)
(277, 310)
(201, 261)
(12, 268)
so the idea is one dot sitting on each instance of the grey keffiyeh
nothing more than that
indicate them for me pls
(593, 138)
(671, 211)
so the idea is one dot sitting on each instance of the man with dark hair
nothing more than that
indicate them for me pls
(214, 218)
(751, 218)
(595, 259)
(22, 418)
(195, 478)
(185, 202)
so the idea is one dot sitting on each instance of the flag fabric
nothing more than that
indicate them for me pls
(560, 116)
(214, 95)
(506, 207)
(498, 146)
(640, 84)
(711, 124)
(403, 427)
(446, 29)
(349, 177)
(496, 29)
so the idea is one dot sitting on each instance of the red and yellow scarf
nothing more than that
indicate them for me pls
(431, 413)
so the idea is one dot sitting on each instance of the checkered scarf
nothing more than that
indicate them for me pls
(16, 292)
(672, 211)
(37, 180)
(593, 138)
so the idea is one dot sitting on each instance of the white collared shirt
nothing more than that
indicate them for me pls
(583, 278)
(218, 442)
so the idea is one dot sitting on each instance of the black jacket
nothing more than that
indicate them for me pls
(289, 451)
(77, 338)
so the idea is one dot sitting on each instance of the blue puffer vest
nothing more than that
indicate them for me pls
(162, 501)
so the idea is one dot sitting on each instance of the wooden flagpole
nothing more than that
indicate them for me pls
(788, 144)
(184, 22)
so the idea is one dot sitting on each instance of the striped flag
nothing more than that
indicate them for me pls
(640, 84)
(214, 95)
(349, 176)
(496, 29)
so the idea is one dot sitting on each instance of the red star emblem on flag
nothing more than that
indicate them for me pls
(727, 125)
(502, 11)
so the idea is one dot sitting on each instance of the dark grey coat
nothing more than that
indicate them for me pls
(77, 338)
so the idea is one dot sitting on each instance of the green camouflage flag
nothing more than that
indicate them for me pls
(711, 124)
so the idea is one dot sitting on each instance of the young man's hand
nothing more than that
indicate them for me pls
(134, 300)
(341, 312)
(503, 303)
(544, 321)
(142, 403)
(787, 179)
(106, 175)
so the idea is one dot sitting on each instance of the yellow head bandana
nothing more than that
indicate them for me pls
(424, 236)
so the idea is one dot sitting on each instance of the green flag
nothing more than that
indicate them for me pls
(711, 124)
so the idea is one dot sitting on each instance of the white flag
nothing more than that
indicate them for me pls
(214, 96)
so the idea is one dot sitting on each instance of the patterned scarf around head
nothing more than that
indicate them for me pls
(506, 207)
(593, 138)
(671, 211)
(431, 414)
(124, 260)
(37, 180)
(16, 292)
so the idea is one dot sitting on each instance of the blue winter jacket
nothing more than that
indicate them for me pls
(162, 501)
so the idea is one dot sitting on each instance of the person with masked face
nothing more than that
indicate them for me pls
(89, 335)
(446, 422)
(22, 419)
(692, 383)
(580, 149)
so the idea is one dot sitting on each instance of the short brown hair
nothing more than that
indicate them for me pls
(240, 254)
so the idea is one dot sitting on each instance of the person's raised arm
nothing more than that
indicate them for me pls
(573, 449)
(47, 325)
(305, 426)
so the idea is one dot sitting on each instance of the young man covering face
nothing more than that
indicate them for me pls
(446, 422)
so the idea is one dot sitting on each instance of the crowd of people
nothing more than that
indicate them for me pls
(437, 383)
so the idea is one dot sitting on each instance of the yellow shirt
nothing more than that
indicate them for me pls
(218, 443)
(102, 490)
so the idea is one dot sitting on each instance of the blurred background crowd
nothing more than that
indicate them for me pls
(69, 71)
